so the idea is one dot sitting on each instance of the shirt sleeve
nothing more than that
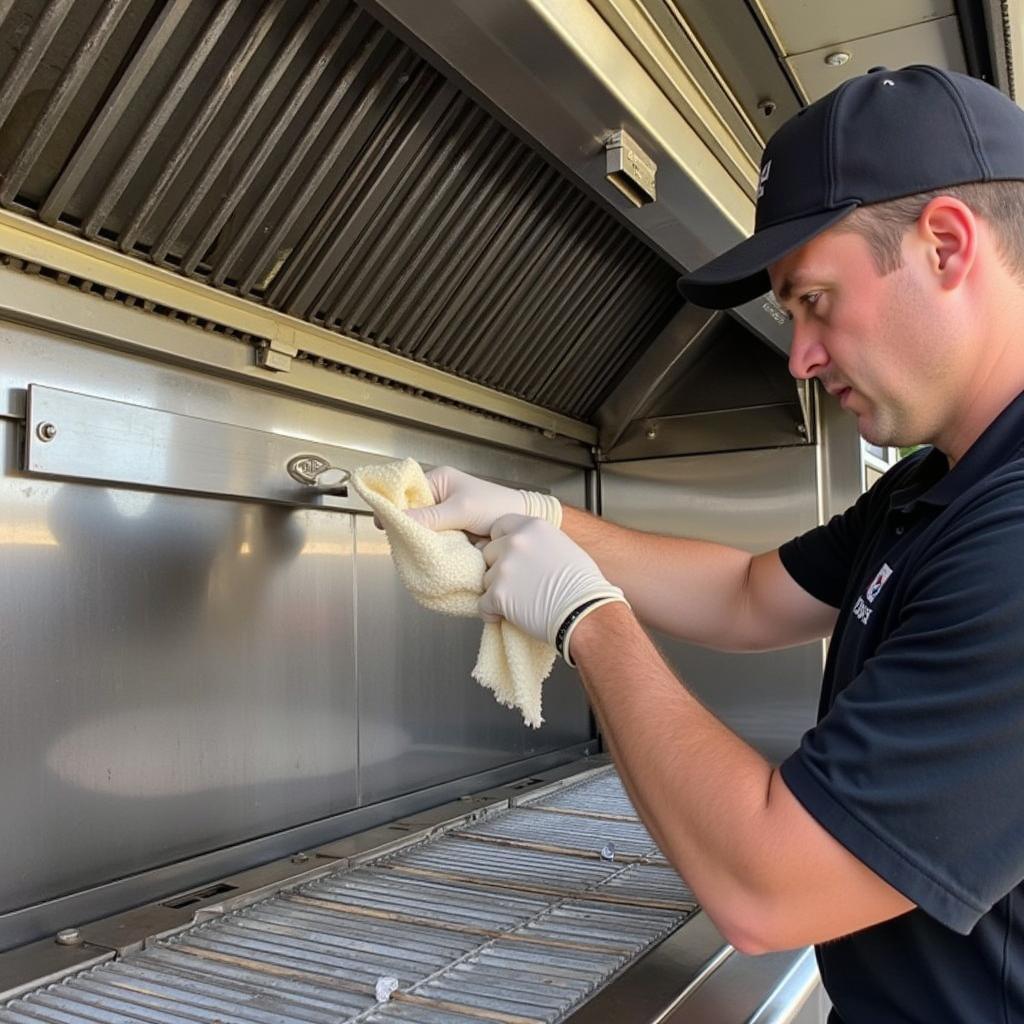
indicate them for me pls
(821, 560)
(917, 768)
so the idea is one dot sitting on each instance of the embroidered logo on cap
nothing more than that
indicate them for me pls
(765, 171)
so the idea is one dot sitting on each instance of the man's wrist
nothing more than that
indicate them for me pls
(589, 632)
(543, 506)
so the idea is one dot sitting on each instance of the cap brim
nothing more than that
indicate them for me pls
(741, 274)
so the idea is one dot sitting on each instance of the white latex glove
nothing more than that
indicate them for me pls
(467, 503)
(537, 578)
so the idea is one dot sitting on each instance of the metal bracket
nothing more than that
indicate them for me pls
(806, 395)
(277, 354)
(630, 169)
(99, 440)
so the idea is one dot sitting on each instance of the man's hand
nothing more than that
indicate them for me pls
(537, 577)
(467, 503)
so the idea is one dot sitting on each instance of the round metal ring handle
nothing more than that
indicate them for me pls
(315, 471)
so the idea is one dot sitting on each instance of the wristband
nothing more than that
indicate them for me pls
(573, 619)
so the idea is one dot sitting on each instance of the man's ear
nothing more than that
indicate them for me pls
(949, 230)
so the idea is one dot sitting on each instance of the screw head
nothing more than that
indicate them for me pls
(300, 858)
(837, 59)
(767, 107)
(69, 937)
(46, 431)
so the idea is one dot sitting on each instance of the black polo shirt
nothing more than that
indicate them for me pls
(916, 764)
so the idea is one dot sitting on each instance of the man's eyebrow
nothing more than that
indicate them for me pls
(789, 284)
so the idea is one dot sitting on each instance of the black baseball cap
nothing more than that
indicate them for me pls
(876, 137)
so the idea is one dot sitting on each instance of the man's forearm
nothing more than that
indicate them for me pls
(688, 588)
(704, 794)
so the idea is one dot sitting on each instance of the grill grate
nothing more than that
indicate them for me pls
(470, 932)
(300, 156)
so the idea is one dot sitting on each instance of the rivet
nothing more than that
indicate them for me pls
(46, 431)
(767, 107)
(300, 858)
(69, 937)
(837, 59)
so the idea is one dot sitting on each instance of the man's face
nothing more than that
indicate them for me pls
(872, 340)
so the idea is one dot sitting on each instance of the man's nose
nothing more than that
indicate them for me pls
(807, 355)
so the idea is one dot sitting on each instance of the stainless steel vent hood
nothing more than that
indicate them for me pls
(303, 158)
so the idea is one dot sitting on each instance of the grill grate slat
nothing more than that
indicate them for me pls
(464, 928)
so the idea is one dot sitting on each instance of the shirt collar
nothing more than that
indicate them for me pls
(932, 482)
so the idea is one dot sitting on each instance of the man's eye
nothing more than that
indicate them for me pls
(810, 299)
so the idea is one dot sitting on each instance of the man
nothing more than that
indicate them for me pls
(890, 224)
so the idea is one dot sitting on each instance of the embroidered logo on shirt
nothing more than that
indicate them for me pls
(861, 610)
(878, 582)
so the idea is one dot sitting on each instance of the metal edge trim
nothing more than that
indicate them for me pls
(760, 10)
(1012, 17)
(795, 987)
(655, 985)
(38, 243)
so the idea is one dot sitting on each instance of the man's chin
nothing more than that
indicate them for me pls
(875, 433)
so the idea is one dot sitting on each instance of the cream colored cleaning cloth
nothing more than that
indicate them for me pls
(444, 571)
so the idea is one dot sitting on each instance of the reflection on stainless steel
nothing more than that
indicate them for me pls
(751, 500)
(26, 534)
(150, 740)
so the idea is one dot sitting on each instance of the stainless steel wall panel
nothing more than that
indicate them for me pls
(840, 457)
(301, 156)
(185, 674)
(752, 500)
(179, 676)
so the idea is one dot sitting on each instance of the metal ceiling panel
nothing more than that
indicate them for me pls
(742, 54)
(932, 42)
(302, 157)
(804, 25)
